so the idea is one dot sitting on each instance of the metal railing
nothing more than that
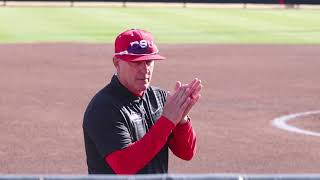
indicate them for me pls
(166, 177)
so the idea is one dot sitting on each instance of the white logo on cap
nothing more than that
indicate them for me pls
(142, 43)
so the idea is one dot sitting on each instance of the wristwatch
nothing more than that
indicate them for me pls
(188, 118)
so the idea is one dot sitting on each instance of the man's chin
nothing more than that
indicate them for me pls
(144, 87)
(140, 90)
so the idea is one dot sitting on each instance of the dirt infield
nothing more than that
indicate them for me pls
(46, 87)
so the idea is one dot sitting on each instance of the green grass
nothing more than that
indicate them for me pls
(169, 25)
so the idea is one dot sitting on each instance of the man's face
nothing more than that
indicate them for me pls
(136, 76)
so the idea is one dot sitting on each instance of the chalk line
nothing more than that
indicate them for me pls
(281, 122)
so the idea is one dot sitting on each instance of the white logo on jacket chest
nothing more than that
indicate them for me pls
(135, 117)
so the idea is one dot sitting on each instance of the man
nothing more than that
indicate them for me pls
(129, 125)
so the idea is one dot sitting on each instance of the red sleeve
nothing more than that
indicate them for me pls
(183, 141)
(134, 157)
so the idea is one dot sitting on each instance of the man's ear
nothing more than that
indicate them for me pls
(116, 63)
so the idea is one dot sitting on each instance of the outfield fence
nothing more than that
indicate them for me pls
(181, 1)
(167, 177)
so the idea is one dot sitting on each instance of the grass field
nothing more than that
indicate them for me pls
(170, 25)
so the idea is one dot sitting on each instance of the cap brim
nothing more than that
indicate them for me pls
(140, 58)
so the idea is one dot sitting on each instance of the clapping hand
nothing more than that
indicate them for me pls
(180, 102)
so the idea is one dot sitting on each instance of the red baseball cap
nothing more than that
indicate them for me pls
(136, 45)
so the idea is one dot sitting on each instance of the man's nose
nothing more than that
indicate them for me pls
(144, 66)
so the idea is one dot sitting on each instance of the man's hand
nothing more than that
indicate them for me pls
(180, 102)
(196, 87)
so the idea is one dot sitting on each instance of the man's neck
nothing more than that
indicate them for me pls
(139, 94)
